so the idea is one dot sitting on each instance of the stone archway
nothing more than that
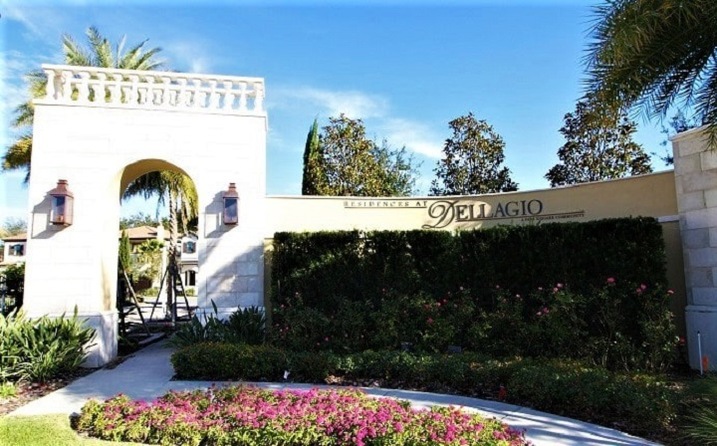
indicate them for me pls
(100, 128)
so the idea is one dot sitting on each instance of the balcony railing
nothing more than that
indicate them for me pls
(157, 90)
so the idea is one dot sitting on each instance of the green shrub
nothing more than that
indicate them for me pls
(593, 393)
(40, 349)
(700, 425)
(567, 387)
(225, 361)
(594, 290)
(199, 329)
(311, 367)
(247, 325)
(7, 390)
(243, 326)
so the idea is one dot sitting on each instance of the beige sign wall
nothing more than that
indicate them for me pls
(651, 195)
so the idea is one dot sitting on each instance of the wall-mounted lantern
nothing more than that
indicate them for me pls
(231, 205)
(62, 203)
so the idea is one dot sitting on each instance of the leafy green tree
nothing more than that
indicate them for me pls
(13, 226)
(314, 179)
(100, 53)
(472, 159)
(598, 146)
(350, 164)
(652, 53)
(678, 123)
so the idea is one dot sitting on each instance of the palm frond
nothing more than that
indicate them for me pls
(650, 54)
(24, 115)
(74, 54)
(138, 59)
(18, 155)
(99, 54)
(120, 51)
(100, 48)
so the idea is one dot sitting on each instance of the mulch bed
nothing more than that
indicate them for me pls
(26, 392)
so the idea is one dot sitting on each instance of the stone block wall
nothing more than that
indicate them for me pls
(696, 187)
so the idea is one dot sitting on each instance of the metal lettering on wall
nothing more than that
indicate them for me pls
(445, 212)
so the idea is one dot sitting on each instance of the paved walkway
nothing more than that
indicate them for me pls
(147, 374)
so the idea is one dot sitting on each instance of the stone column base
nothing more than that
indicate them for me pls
(103, 348)
(703, 320)
(104, 345)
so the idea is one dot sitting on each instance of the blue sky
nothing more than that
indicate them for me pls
(405, 67)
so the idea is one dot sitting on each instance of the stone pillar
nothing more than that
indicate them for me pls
(696, 187)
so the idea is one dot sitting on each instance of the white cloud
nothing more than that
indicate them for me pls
(354, 104)
(416, 136)
(189, 55)
(13, 90)
(375, 110)
(40, 19)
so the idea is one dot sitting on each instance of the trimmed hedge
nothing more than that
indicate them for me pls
(325, 268)
(643, 402)
(592, 290)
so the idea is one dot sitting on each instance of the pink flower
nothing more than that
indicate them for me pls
(559, 285)
(643, 287)
(670, 292)
(610, 280)
(429, 321)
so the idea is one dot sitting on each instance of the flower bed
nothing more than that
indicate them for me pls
(245, 415)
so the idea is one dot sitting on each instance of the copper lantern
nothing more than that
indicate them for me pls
(62, 204)
(231, 205)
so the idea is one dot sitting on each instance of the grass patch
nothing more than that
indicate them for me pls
(44, 430)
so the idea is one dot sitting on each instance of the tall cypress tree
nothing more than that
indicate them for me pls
(125, 253)
(313, 178)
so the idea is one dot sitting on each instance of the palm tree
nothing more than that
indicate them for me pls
(650, 54)
(99, 54)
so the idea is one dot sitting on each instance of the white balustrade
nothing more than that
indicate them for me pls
(153, 89)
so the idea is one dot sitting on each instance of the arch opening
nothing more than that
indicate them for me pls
(158, 256)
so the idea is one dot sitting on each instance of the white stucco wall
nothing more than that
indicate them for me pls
(92, 146)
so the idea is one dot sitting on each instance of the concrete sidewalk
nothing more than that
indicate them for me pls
(147, 374)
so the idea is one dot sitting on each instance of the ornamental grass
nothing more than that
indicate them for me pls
(247, 415)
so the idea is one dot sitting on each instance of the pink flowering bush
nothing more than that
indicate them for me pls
(244, 415)
(619, 324)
